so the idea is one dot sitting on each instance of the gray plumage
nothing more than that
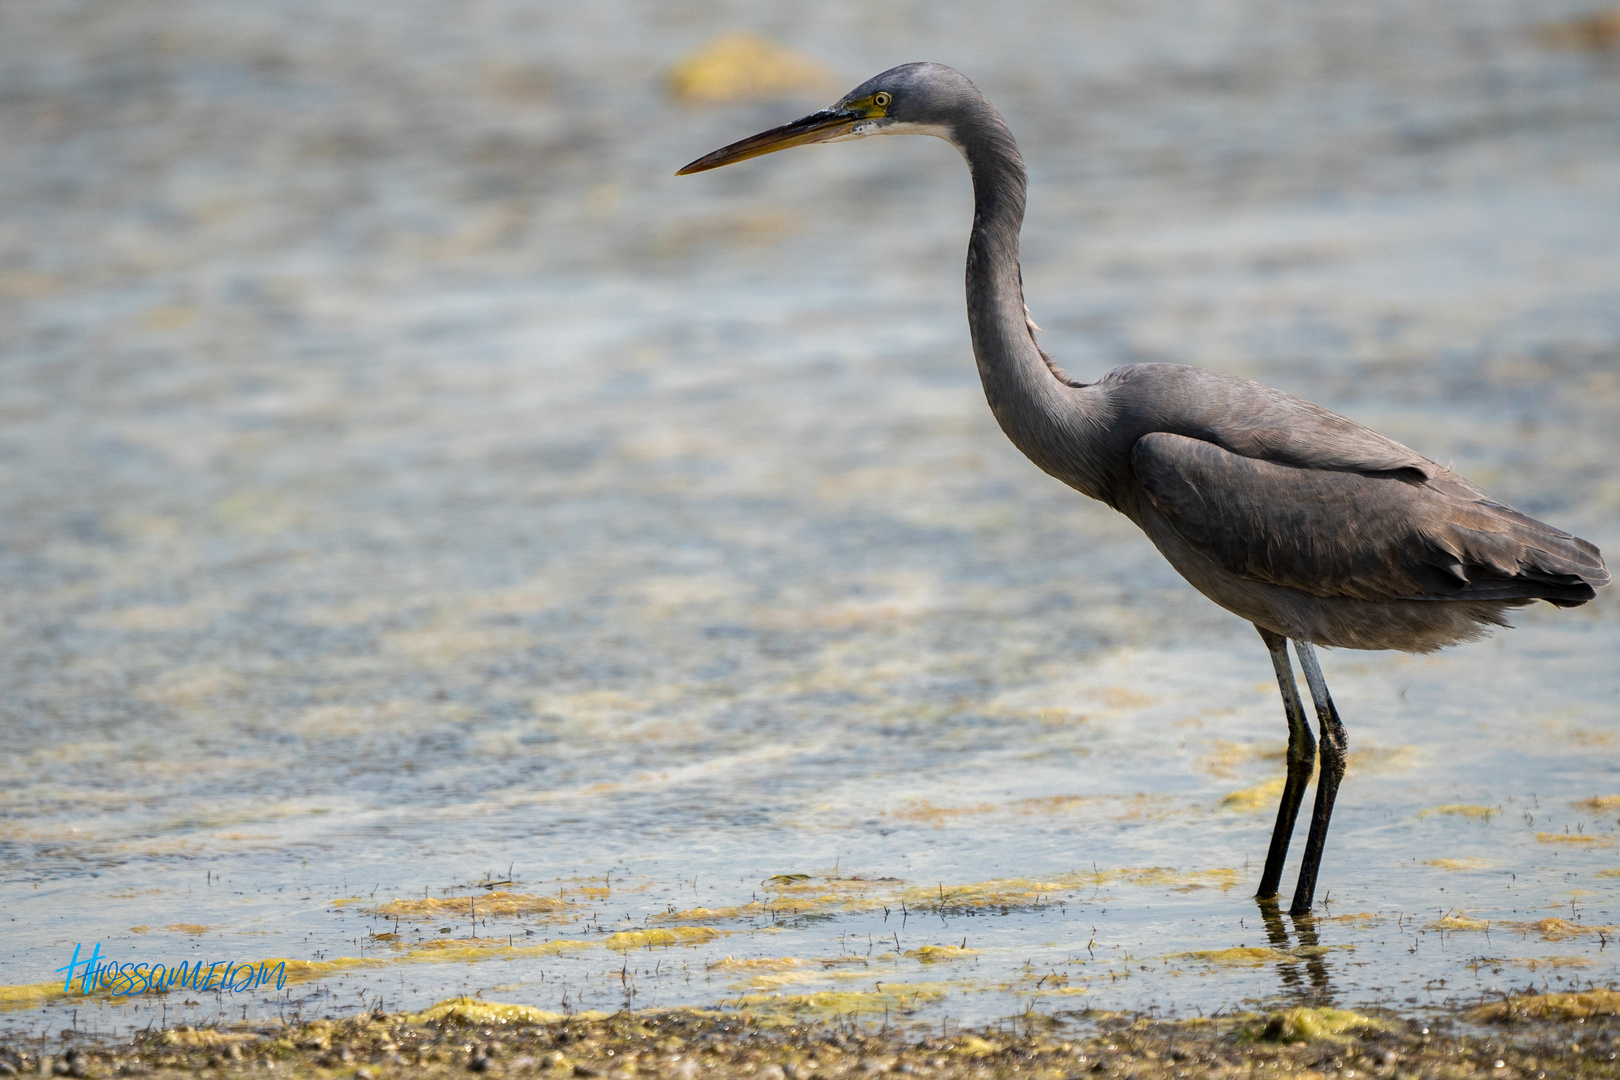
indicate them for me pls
(1309, 525)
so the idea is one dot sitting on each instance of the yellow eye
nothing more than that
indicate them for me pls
(881, 99)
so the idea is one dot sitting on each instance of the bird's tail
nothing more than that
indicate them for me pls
(1508, 555)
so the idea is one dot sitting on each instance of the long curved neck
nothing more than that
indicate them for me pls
(1031, 400)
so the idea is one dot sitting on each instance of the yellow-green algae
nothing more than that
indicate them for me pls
(29, 995)
(1255, 955)
(701, 914)
(471, 950)
(32, 995)
(889, 997)
(974, 1047)
(672, 935)
(1575, 1006)
(447, 950)
(933, 954)
(1025, 892)
(482, 905)
(801, 894)
(1242, 956)
(471, 1012)
(758, 964)
(1358, 918)
(1260, 797)
(1222, 878)
(1536, 962)
(1556, 929)
(1551, 928)
(1467, 810)
(1307, 1025)
(1460, 864)
(206, 1038)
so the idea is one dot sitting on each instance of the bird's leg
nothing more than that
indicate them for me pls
(1327, 782)
(1301, 759)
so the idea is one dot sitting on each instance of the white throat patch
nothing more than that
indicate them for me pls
(863, 128)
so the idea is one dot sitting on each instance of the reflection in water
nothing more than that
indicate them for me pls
(1319, 992)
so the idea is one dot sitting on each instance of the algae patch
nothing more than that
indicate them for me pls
(1222, 878)
(1535, 963)
(934, 954)
(29, 995)
(282, 970)
(1362, 919)
(206, 1038)
(758, 966)
(1303, 1025)
(1551, 929)
(674, 935)
(1242, 956)
(1461, 864)
(699, 914)
(1577, 1006)
(1007, 893)
(1256, 955)
(891, 997)
(1467, 810)
(473, 950)
(452, 907)
(1260, 797)
(470, 1012)
(1556, 929)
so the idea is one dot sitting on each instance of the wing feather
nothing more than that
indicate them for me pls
(1371, 535)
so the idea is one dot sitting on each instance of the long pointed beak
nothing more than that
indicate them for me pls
(817, 127)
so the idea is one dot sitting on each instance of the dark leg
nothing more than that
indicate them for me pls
(1327, 782)
(1301, 759)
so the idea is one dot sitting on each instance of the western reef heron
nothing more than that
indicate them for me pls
(1312, 527)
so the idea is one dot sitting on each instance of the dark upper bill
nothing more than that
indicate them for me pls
(817, 127)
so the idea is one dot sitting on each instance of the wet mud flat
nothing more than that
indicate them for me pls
(1540, 1036)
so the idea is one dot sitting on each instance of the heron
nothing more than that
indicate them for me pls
(1314, 528)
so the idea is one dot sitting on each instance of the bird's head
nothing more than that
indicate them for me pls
(912, 99)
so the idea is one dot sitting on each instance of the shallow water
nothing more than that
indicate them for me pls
(409, 484)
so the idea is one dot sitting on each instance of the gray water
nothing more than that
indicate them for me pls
(406, 483)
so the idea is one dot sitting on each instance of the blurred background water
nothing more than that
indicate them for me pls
(407, 485)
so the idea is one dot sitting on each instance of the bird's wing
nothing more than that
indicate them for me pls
(1371, 535)
(1256, 421)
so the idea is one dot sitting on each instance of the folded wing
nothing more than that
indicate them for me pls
(1373, 533)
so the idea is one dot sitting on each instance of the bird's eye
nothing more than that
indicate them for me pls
(881, 99)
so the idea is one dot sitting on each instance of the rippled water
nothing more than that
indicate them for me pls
(407, 484)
